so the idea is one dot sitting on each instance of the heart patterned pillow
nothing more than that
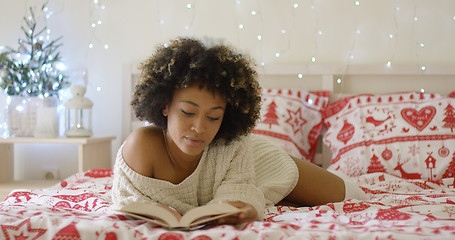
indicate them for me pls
(410, 135)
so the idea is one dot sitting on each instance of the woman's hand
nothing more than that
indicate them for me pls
(248, 214)
(174, 212)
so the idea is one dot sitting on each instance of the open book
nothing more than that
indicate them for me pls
(164, 217)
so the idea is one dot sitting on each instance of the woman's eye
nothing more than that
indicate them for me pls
(187, 113)
(213, 118)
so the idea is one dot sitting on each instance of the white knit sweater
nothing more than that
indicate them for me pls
(249, 169)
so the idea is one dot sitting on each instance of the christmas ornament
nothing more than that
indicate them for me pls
(38, 46)
(22, 49)
(346, 132)
(387, 154)
(443, 151)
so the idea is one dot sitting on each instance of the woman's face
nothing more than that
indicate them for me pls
(194, 117)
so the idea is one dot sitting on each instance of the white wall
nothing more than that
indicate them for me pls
(332, 31)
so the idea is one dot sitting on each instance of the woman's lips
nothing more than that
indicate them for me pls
(194, 141)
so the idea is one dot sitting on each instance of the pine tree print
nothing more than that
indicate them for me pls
(450, 117)
(450, 172)
(375, 165)
(271, 117)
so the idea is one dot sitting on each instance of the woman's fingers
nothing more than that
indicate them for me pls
(248, 214)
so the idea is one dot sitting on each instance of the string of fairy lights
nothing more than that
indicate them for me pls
(250, 21)
(98, 10)
(280, 51)
(97, 18)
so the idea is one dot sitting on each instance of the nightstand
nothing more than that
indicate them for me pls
(93, 152)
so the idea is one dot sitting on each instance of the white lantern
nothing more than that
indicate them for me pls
(78, 114)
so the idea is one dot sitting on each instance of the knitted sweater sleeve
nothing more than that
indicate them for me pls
(276, 172)
(238, 181)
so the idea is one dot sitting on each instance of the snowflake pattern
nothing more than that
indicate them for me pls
(450, 210)
(413, 149)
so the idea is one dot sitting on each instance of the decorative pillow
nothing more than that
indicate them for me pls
(292, 118)
(410, 135)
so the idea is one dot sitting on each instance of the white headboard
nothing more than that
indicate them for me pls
(359, 78)
(340, 80)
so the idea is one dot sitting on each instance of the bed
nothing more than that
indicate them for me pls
(78, 208)
(399, 146)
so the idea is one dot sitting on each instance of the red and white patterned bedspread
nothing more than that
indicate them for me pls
(78, 208)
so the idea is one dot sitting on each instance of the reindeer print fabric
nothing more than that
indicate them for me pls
(410, 135)
(292, 119)
(78, 208)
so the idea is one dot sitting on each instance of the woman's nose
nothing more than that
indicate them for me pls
(198, 125)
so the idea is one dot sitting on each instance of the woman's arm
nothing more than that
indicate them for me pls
(316, 186)
(237, 181)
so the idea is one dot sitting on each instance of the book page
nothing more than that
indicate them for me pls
(160, 215)
(208, 212)
(151, 210)
(153, 220)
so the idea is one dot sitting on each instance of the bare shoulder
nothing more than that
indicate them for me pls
(141, 149)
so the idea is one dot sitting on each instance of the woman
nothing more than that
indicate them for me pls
(203, 101)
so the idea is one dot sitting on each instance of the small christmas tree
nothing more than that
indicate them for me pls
(450, 117)
(450, 172)
(31, 70)
(375, 165)
(270, 117)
